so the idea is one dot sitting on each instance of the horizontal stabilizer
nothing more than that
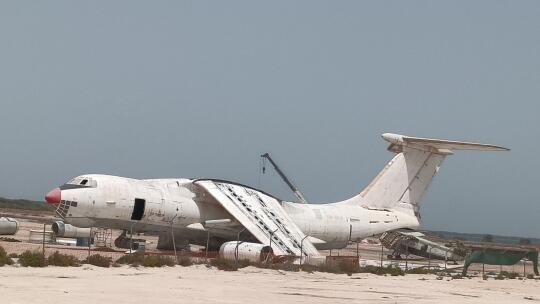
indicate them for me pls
(403, 140)
(404, 180)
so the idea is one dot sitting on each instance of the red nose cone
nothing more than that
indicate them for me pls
(53, 197)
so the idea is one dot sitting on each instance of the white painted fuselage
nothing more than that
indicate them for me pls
(109, 201)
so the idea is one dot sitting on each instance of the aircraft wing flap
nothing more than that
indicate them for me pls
(262, 215)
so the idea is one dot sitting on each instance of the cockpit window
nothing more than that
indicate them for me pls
(83, 181)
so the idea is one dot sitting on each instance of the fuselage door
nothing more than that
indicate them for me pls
(138, 209)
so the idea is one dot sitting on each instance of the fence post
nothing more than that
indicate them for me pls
(43, 243)
(302, 250)
(207, 244)
(89, 242)
(407, 256)
(173, 240)
(238, 244)
(382, 252)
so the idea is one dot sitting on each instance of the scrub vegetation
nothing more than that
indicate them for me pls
(24, 204)
(184, 261)
(98, 260)
(507, 275)
(32, 259)
(63, 260)
(139, 259)
(228, 265)
(134, 259)
(36, 259)
(4, 258)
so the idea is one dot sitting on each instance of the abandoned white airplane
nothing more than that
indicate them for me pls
(211, 212)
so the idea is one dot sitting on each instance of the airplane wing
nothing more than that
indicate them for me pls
(262, 215)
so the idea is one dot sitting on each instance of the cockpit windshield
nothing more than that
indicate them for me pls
(83, 182)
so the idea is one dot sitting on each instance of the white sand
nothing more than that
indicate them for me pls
(198, 284)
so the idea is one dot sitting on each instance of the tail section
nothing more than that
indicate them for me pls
(405, 179)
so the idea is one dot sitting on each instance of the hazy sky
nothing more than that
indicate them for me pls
(200, 89)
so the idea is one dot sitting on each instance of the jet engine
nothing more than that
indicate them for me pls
(8, 225)
(253, 252)
(62, 229)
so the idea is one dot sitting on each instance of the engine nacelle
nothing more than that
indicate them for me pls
(8, 225)
(253, 252)
(62, 229)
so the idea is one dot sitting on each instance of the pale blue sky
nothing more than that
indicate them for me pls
(189, 89)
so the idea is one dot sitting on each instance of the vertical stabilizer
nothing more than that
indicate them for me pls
(405, 179)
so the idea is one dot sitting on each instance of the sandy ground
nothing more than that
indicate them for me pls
(199, 284)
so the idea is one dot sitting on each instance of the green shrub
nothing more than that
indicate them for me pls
(421, 270)
(289, 266)
(394, 271)
(98, 260)
(184, 261)
(530, 276)
(343, 266)
(134, 259)
(32, 259)
(391, 270)
(228, 265)
(4, 258)
(63, 260)
(139, 259)
(510, 275)
(13, 255)
(158, 261)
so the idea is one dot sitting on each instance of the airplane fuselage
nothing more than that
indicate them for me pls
(159, 204)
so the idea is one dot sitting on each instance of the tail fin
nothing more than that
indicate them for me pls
(405, 179)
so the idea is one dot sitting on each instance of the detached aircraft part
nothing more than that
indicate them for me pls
(8, 226)
(252, 252)
(402, 242)
(62, 229)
